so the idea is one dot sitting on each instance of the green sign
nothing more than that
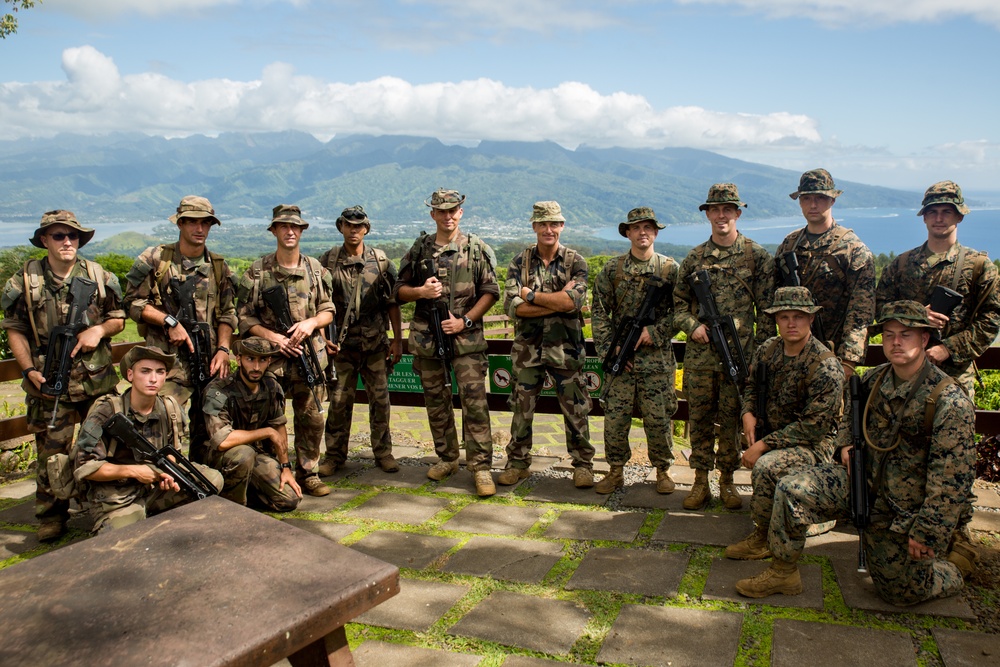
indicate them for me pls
(501, 376)
(404, 379)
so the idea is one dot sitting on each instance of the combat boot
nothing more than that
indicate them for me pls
(49, 531)
(728, 494)
(509, 476)
(753, 547)
(781, 577)
(314, 486)
(615, 479)
(962, 555)
(326, 467)
(442, 469)
(664, 483)
(484, 483)
(583, 477)
(387, 463)
(700, 494)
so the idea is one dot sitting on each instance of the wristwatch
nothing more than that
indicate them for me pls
(27, 371)
(169, 322)
(285, 466)
(530, 296)
(468, 322)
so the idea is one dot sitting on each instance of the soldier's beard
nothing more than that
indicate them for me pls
(251, 382)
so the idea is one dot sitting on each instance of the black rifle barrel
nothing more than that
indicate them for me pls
(276, 299)
(722, 328)
(860, 500)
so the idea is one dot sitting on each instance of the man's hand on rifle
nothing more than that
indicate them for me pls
(700, 335)
(301, 331)
(332, 348)
(87, 340)
(644, 338)
(845, 458)
(431, 289)
(36, 379)
(178, 335)
(145, 474)
(453, 325)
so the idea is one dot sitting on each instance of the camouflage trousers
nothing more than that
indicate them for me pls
(116, 505)
(247, 472)
(49, 442)
(375, 376)
(657, 400)
(713, 400)
(769, 469)
(822, 493)
(197, 433)
(470, 376)
(307, 420)
(574, 402)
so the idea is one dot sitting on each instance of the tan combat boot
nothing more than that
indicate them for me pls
(753, 547)
(583, 477)
(664, 483)
(962, 555)
(387, 463)
(484, 483)
(326, 467)
(728, 494)
(781, 577)
(615, 479)
(510, 476)
(442, 469)
(700, 494)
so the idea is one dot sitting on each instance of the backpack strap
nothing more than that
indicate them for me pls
(96, 273)
(526, 263)
(930, 405)
(32, 276)
(174, 412)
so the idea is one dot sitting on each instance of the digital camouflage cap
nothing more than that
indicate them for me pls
(908, 313)
(195, 207)
(546, 211)
(60, 217)
(944, 192)
(140, 352)
(793, 298)
(287, 213)
(638, 214)
(723, 193)
(256, 346)
(817, 182)
(354, 215)
(445, 199)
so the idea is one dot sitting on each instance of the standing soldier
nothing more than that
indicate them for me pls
(648, 377)
(363, 281)
(456, 271)
(35, 301)
(546, 291)
(305, 285)
(153, 300)
(742, 281)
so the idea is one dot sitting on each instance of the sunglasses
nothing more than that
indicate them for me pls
(59, 237)
(354, 215)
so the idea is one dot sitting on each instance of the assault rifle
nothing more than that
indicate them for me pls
(331, 335)
(62, 340)
(629, 330)
(722, 328)
(858, 458)
(199, 361)
(166, 458)
(276, 299)
(444, 348)
(789, 264)
(760, 410)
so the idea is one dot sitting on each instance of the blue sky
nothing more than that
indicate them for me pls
(890, 92)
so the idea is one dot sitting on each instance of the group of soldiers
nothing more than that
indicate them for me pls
(782, 415)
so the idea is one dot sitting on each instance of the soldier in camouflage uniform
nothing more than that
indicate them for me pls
(742, 275)
(545, 292)
(245, 418)
(805, 383)
(308, 287)
(122, 490)
(836, 266)
(923, 424)
(648, 378)
(458, 270)
(363, 281)
(151, 301)
(35, 301)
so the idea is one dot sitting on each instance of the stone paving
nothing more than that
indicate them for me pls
(544, 574)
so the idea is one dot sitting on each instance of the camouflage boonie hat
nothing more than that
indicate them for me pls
(908, 313)
(723, 193)
(287, 213)
(195, 207)
(256, 346)
(547, 211)
(356, 216)
(60, 217)
(639, 214)
(816, 182)
(445, 199)
(944, 192)
(793, 298)
(140, 352)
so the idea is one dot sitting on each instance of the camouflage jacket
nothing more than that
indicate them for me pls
(230, 406)
(619, 296)
(368, 304)
(93, 448)
(149, 284)
(974, 323)
(839, 271)
(743, 284)
(308, 287)
(466, 268)
(553, 340)
(804, 396)
(927, 478)
(92, 373)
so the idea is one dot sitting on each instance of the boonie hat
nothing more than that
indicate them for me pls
(943, 192)
(908, 313)
(287, 213)
(356, 216)
(547, 211)
(793, 298)
(445, 199)
(816, 182)
(723, 193)
(639, 214)
(60, 217)
(256, 346)
(140, 352)
(195, 207)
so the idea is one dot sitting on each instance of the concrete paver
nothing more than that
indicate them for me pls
(417, 606)
(494, 519)
(464, 483)
(645, 496)
(514, 619)
(404, 549)
(408, 477)
(328, 503)
(661, 636)
(22, 489)
(525, 661)
(538, 463)
(346, 470)
(681, 474)
(398, 451)
(524, 561)
(331, 531)
(566, 465)
(399, 508)
(987, 498)
(640, 571)
(985, 521)
(807, 644)
(561, 490)
(959, 648)
(22, 514)
(381, 654)
(703, 528)
(582, 525)
(14, 543)
(724, 573)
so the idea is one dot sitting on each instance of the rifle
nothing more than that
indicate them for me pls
(760, 379)
(629, 330)
(860, 500)
(444, 349)
(185, 473)
(62, 340)
(199, 361)
(789, 265)
(276, 299)
(722, 328)
(331, 335)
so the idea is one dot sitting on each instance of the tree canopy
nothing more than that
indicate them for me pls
(8, 22)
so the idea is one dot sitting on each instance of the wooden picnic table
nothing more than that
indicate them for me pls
(209, 583)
